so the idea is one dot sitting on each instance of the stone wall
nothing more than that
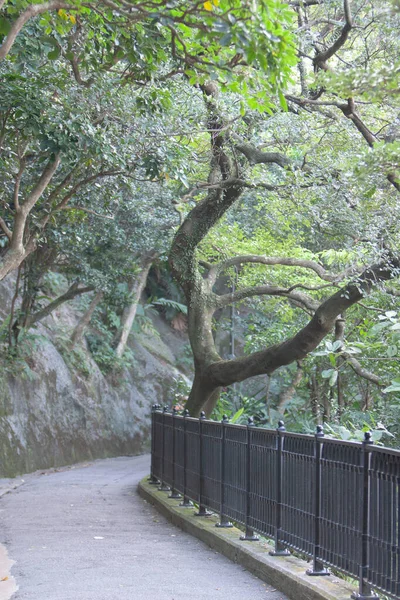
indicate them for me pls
(52, 416)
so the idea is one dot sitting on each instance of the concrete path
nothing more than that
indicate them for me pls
(85, 534)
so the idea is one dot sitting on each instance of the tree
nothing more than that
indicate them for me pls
(56, 132)
(226, 183)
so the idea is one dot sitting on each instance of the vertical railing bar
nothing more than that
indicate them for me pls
(365, 591)
(280, 550)
(186, 502)
(153, 479)
(174, 493)
(249, 535)
(398, 534)
(203, 512)
(163, 487)
(318, 568)
(223, 520)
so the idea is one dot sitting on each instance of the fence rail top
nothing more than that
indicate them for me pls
(326, 439)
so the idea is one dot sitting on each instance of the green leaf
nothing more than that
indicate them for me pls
(333, 378)
(54, 54)
(5, 26)
(326, 374)
(336, 345)
(237, 415)
(282, 101)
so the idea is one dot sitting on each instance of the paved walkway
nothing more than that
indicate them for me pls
(85, 534)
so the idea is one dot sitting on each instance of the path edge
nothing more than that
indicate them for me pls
(285, 574)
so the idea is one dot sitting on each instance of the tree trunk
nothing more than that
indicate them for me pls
(18, 249)
(129, 315)
(36, 265)
(339, 336)
(212, 402)
(84, 321)
(287, 394)
(315, 397)
(201, 395)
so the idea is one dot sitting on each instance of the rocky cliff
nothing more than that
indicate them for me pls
(52, 415)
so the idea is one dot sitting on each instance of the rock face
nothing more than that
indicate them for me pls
(51, 416)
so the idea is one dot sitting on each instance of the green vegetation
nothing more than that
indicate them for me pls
(241, 160)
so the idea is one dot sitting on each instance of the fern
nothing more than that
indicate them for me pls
(171, 304)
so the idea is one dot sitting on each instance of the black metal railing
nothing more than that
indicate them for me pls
(337, 502)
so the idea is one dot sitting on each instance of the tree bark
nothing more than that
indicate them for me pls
(339, 336)
(18, 249)
(287, 394)
(84, 321)
(130, 314)
(315, 397)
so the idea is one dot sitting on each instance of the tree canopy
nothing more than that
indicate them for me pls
(256, 144)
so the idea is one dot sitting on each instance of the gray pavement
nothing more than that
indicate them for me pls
(85, 534)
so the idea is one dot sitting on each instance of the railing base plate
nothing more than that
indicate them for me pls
(357, 596)
(186, 504)
(164, 488)
(175, 495)
(249, 538)
(318, 573)
(224, 524)
(279, 553)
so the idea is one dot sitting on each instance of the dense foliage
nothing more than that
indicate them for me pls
(268, 137)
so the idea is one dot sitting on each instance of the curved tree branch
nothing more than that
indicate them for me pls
(266, 290)
(278, 260)
(322, 57)
(73, 291)
(256, 157)
(32, 11)
(225, 373)
(359, 370)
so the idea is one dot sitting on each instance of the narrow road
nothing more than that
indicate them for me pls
(85, 534)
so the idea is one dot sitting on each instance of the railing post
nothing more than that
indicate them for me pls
(249, 535)
(203, 512)
(223, 519)
(186, 503)
(280, 550)
(364, 588)
(163, 487)
(153, 479)
(318, 568)
(174, 493)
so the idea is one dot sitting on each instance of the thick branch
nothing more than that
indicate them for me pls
(256, 157)
(24, 17)
(266, 290)
(84, 321)
(69, 295)
(6, 229)
(277, 260)
(195, 227)
(129, 314)
(41, 185)
(322, 57)
(357, 368)
(225, 373)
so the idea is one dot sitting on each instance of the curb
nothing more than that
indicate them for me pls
(9, 485)
(285, 574)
